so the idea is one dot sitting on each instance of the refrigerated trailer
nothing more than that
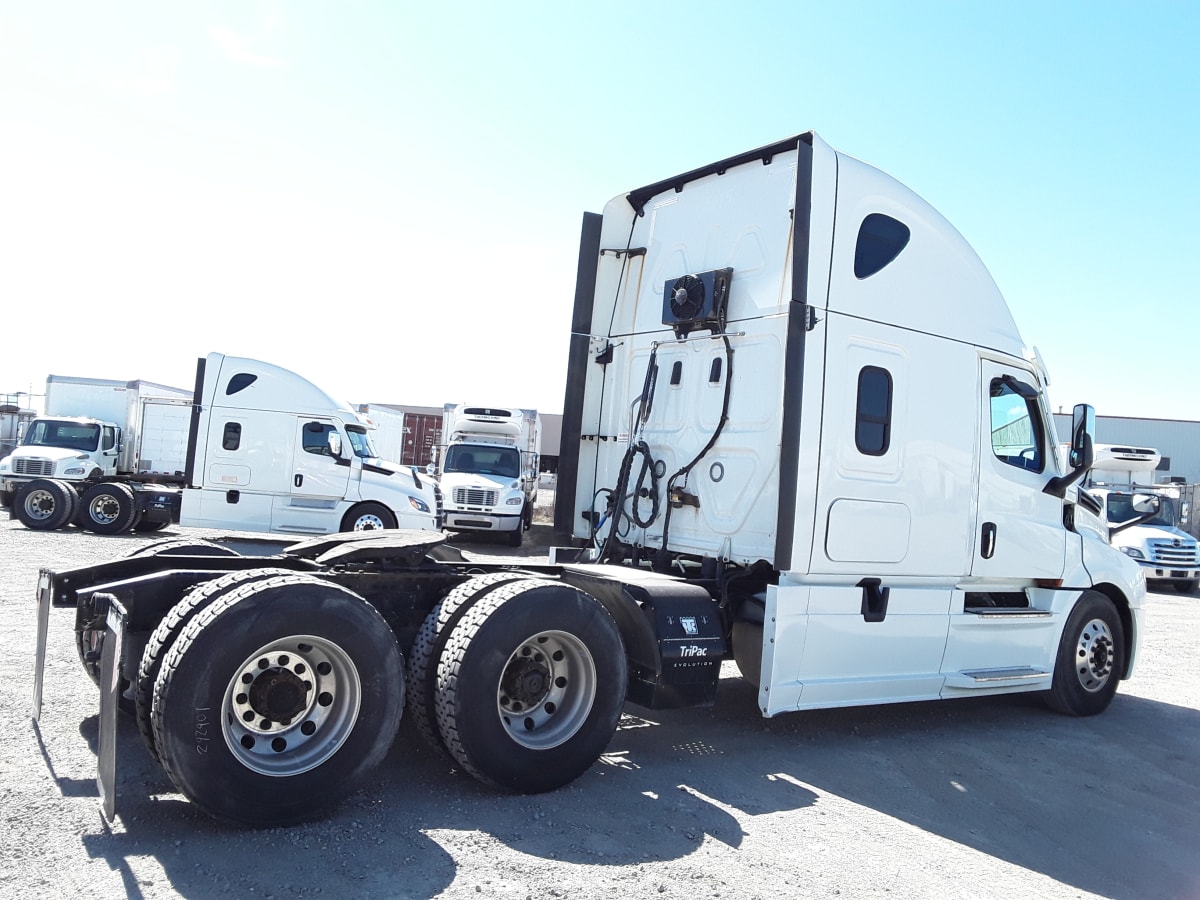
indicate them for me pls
(802, 433)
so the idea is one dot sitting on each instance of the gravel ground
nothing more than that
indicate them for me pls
(969, 798)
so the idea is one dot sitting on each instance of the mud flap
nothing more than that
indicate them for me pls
(110, 695)
(44, 594)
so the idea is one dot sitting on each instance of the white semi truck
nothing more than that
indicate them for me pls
(256, 447)
(802, 433)
(488, 469)
(1166, 553)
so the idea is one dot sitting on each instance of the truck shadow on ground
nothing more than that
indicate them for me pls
(1110, 805)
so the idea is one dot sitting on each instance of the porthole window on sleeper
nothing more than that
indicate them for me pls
(880, 240)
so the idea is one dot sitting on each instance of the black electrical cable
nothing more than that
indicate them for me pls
(661, 557)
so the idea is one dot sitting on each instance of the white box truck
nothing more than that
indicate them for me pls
(1157, 543)
(104, 454)
(801, 432)
(488, 469)
(255, 447)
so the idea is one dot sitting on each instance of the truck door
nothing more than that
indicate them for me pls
(1019, 531)
(319, 481)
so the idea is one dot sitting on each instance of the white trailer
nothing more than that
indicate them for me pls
(801, 432)
(488, 468)
(389, 428)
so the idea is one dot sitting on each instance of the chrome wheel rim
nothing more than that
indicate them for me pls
(546, 690)
(39, 504)
(104, 510)
(291, 705)
(1095, 655)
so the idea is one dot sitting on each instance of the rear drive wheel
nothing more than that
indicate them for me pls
(276, 699)
(368, 517)
(144, 526)
(46, 504)
(422, 663)
(530, 686)
(109, 509)
(1091, 658)
(168, 629)
(88, 640)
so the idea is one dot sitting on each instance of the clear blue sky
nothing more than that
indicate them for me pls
(386, 196)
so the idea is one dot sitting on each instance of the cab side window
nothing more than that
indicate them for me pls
(1017, 437)
(316, 438)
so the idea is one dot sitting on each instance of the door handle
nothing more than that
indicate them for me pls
(298, 480)
(987, 540)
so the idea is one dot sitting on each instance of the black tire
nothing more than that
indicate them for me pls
(144, 526)
(109, 508)
(514, 538)
(46, 504)
(88, 640)
(422, 664)
(368, 517)
(530, 686)
(168, 629)
(175, 546)
(1091, 658)
(323, 694)
(1185, 587)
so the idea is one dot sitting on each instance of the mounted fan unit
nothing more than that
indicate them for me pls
(697, 301)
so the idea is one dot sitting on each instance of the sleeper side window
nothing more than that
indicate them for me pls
(873, 414)
(231, 436)
(1016, 425)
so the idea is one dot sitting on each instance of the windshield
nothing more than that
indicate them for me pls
(70, 435)
(361, 442)
(1120, 509)
(502, 461)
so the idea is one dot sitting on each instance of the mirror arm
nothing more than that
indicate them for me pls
(1057, 486)
(1145, 517)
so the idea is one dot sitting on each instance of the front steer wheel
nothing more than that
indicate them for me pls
(1091, 658)
(530, 686)
(276, 699)
(369, 517)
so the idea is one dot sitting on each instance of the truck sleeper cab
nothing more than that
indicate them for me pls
(789, 374)
(273, 452)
